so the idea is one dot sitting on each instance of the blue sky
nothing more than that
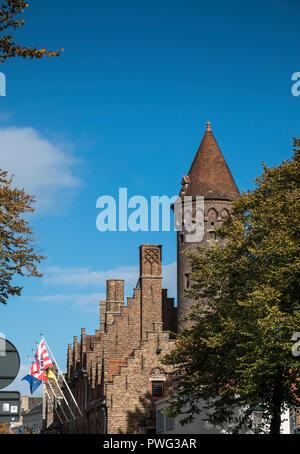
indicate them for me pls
(126, 106)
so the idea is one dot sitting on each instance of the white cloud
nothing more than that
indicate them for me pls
(82, 302)
(86, 276)
(83, 277)
(44, 169)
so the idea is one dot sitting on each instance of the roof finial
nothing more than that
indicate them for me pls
(208, 128)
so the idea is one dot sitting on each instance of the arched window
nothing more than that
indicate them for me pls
(212, 217)
(224, 213)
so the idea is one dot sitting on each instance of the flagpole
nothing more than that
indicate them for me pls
(54, 393)
(62, 375)
(67, 403)
(53, 405)
(45, 389)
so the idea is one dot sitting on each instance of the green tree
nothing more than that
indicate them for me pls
(9, 21)
(237, 352)
(17, 248)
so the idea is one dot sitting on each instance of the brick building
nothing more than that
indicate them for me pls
(116, 375)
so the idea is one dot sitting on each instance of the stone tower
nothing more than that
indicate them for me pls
(210, 177)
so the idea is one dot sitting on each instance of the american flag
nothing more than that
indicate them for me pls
(40, 363)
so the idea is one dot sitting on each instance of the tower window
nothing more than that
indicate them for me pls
(187, 282)
(157, 388)
(212, 235)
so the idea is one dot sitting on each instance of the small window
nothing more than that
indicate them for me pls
(187, 282)
(169, 423)
(157, 388)
(212, 235)
(181, 238)
(159, 422)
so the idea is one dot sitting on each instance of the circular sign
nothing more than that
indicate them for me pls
(9, 363)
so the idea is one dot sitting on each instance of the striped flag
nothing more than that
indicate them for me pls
(41, 363)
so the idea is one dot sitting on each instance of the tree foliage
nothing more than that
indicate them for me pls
(9, 20)
(17, 248)
(237, 352)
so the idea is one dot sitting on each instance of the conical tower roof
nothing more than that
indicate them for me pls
(209, 175)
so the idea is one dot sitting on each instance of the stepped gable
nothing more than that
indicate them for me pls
(126, 332)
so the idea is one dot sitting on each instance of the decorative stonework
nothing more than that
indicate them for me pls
(157, 373)
(151, 256)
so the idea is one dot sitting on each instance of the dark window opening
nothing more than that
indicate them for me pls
(157, 388)
(187, 282)
(212, 235)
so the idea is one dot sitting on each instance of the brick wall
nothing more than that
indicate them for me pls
(117, 360)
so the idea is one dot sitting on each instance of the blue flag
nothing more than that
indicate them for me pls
(33, 382)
